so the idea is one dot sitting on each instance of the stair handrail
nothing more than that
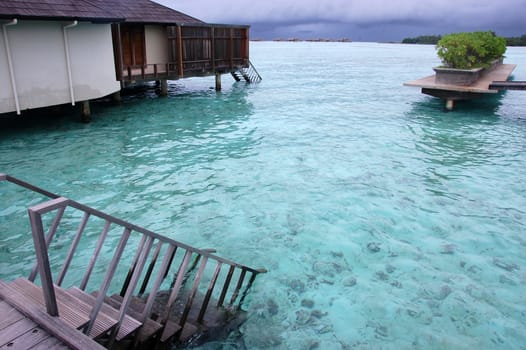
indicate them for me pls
(41, 251)
(255, 70)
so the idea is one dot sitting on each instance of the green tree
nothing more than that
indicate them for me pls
(423, 39)
(470, 50)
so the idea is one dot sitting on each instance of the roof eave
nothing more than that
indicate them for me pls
(62, 18)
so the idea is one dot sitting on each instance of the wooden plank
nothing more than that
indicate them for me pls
(15, 330)
(30, 338)
(50, 343)
(34, 294)
(501, 72)
(103, 322)
(54, 325)
(9, 315)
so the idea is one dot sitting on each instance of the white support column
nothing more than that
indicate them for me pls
(68, 61)
(10, 62)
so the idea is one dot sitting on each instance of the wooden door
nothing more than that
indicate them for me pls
(133, 45)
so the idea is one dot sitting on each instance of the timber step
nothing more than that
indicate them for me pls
(129, 324)
(33, 295)
(73, 308)
(249, 74)
(171, 327)
(57, 333)
(150, 327)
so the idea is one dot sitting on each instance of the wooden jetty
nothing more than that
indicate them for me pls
(486, 84)
(168, 293)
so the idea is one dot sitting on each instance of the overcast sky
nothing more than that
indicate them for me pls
(360, 20)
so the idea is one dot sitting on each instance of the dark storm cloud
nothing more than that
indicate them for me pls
(338, 17)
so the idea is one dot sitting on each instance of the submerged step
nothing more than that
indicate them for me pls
(150, 327)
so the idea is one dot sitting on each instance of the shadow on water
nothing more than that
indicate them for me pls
(131, 160)
(448, 142)
(139, 101)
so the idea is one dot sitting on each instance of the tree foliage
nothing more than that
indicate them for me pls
(433, 40)
(516, 41)
(470, 50)
(423, 39)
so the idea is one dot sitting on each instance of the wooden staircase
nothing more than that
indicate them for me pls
(249, 74)
(163, 299)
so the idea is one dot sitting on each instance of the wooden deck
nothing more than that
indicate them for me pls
(19, 332)
(32, 328)
(482, 86)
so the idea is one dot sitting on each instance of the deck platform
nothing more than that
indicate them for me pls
(20, 331)
(458, 92)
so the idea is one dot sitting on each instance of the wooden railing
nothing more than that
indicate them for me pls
(145, 277)
(150, 71)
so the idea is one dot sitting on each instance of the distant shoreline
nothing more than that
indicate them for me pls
(323, 40)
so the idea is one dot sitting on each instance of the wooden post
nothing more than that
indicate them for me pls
(218, 81)
(180, 51)
(85, 115)
(450, 104)
(116, 97)
(213, 46)
(164, 87)
(46, 278)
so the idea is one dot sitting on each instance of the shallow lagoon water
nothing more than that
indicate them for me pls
(384, 221)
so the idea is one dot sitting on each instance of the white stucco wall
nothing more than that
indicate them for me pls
(156, 44)
(39, 64)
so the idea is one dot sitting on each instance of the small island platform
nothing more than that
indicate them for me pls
(453, 93)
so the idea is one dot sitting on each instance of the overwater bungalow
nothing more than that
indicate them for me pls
(70, 51)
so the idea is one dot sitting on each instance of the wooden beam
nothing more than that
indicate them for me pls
(213, 46)
(117, 49)
(180, 51)
(508, 85)
(231, 47)
(44, 268)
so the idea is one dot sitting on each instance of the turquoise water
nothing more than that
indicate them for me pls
(385, 222)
